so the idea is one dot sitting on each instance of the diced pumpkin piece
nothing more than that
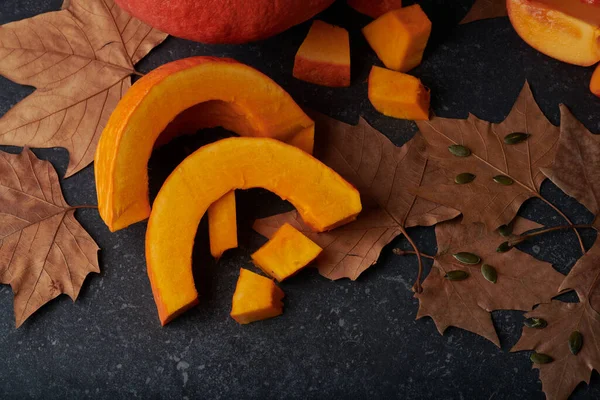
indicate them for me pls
(568, 31)
(255, 298)
(222, 225)
(287, 252)
(399, 37)
(595, 82)
(324, 56)
(375, 8)
(398, 95)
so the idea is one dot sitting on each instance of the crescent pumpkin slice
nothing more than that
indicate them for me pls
(321, 196)
(233, 95)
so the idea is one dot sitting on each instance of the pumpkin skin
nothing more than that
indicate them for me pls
(218, 21)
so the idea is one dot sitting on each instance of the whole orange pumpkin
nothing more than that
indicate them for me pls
(220, 21)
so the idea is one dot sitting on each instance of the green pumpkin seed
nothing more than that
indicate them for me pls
(504, 247)
(505, 230)
(464, 178)
(457, 275)
(489, 273)
(536, 323)
(459, 151)
(467, 258)
(575, 342)
(540, 358)
(515, 138)
(503, 180)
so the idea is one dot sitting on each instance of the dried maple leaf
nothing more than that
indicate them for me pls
(576, 167)
(522, 282)
(484, 9)
(484, 200)
(382, 172)
(80, 60)
(43, 250)
(561, 376)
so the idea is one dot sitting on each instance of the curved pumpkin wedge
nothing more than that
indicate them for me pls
(568, 31)
(238, 97)
(322, 197)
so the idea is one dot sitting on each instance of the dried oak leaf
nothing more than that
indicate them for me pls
(484, 200)
(80, 60)
(576, 167)
(522, 282)
(484, 9)
(383, 173)
(561, 376)
(43, 250)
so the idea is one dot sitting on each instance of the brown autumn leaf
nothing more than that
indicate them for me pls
(561, 376)
(576, 167)
(43, 250)
(383, 173)
(484, 200)
(80, 60)
(484, 9)
(522, 282)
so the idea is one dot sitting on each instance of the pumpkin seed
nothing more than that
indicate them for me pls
(459, 151)
(456, 275)
(464, 178)
(540, 358)
(536, 323)
(489, 273)
(504, 247)
(503, 180)
(505, 230)
(575, 342)
(467, 258)
(515, 137)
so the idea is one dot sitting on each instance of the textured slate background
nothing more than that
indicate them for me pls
(336, 339)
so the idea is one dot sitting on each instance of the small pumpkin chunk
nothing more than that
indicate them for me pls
(255, 298)
(374, 8)
(595, 82)
(324, 56)
(399, 37)
(398, 95)
(222, 225)
(286, 253)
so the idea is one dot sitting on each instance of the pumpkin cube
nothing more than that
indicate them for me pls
(399, 37)
(287, 252)
(375, 8)
(324, 56)
(398, 95)
(222, 225)
(256, 298)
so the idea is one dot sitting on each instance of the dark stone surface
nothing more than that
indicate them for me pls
(336, 339)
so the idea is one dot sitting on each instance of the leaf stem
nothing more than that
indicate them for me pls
(524, 237)
(400, 252)
(134, 72)
(574, 227)
(417, 286)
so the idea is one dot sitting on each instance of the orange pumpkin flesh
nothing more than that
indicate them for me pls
(255, 298)
(375, 8)
(324, 56)
(566, 30)
(286, 253)
(398, 95)
(399, 37)
(323, 199)
(240, 99)
(218, 21)
(222, 225)
(595, 82)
